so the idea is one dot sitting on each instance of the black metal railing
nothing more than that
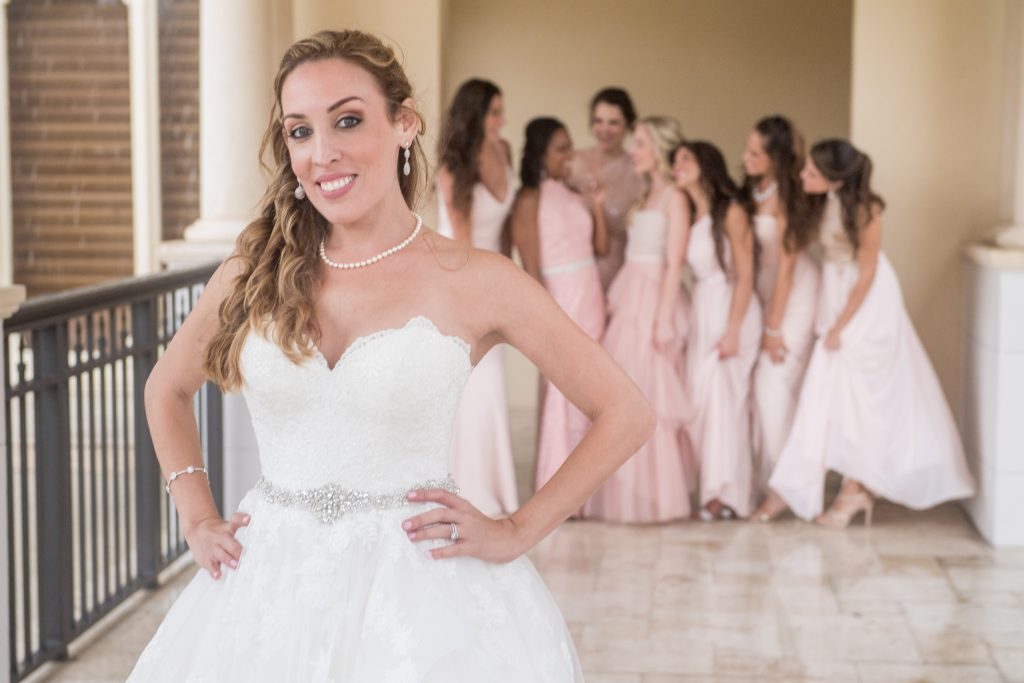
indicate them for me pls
(89, 521)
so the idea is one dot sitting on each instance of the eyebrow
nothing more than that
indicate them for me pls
(342, 101)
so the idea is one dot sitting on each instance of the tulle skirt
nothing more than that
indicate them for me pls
(356, 601)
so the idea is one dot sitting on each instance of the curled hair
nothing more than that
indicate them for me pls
(617, 97)
(539, 132)
(666, 135)
(838, 160)
(462, 136)
(785, 149)
(720, 190)
(278, 250)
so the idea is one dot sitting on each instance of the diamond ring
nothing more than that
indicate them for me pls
(455, 533)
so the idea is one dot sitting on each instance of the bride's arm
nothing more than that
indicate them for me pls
(170, 388)
(510, 306)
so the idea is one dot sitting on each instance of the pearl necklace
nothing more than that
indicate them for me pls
(373, 259)
(761, 196)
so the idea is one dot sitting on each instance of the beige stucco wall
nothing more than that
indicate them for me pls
(928, 106)
(717, 66)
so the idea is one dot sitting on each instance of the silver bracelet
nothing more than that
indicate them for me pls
(773, 332)
(188, 470)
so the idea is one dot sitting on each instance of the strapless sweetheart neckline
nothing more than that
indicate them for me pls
(366, 339)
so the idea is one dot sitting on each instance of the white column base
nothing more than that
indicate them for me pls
(991, 425)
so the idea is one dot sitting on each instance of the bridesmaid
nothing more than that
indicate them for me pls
(646, 333)
(725, 330)
(475, 186)
(871, 407)
(787, 289)
(609, 166)
(555, 235)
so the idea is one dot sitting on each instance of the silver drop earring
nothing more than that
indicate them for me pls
(407, 169)
(299, 192)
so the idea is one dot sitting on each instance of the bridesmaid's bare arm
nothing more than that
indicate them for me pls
(675, 256)
(741, 242)
(525, 231)
(461, 228)
(772, 340)
(867, 265)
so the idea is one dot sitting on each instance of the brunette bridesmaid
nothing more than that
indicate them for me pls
(475, 192)
(725, 330)
(608, 165)
(557, 237)
(871, 407)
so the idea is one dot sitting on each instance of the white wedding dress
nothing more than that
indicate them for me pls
(332, 590)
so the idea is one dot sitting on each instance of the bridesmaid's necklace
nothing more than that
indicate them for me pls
(373, 259)
(761, 196)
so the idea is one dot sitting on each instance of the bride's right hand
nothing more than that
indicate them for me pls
(212, 542)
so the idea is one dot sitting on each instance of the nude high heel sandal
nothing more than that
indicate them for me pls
(845, 509)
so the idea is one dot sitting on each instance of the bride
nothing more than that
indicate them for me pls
(351, 331)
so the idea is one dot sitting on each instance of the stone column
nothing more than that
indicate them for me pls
(10, 298)
(6, 220)
(238, 49)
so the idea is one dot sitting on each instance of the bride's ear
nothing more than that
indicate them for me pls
(408, 121)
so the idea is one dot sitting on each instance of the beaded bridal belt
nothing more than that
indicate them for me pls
(331, 502)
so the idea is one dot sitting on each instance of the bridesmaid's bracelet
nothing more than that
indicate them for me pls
(773, 332)
(188, 470)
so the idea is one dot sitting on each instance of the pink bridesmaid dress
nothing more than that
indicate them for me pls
(777, 385)
(481, 458)
(873, 409)
(654, 485)
(720, 390)
(570, 274)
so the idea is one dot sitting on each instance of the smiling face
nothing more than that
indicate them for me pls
(341, 138)
(756, 161)
(494, 119)
(558, 157)
(609, 127)
(643, 151)
(685, 168)
(814, 181)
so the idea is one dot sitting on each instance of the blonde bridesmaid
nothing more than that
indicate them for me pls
(646, 333)
(475, 192)
(871, 407)
(557, 238)
(725, 330)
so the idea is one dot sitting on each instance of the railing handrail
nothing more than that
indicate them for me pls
(45, 308)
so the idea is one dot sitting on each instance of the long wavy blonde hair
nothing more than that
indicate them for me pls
(667, 135)
(278, 250)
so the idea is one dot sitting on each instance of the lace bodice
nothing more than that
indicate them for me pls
(380, 420)
(834, 241)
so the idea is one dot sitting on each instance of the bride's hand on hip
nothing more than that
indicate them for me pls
(476, 534)
(212, 542)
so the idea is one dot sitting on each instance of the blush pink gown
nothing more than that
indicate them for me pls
(777, 385)
(481, 459)
(872, 410)
(654, 485)
(570, 274)
(720, 390)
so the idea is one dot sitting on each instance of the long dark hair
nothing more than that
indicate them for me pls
(462, 136)
(539, 132)
(617, 97)
(721, 191)
(785, 149)
(838, 160)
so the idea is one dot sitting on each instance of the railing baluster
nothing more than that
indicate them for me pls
(53, 478)
(147, 469)
(26, 595)
(80, 358)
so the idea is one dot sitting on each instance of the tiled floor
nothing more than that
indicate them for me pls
(919, 597)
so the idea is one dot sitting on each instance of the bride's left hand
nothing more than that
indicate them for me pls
(493, 540)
